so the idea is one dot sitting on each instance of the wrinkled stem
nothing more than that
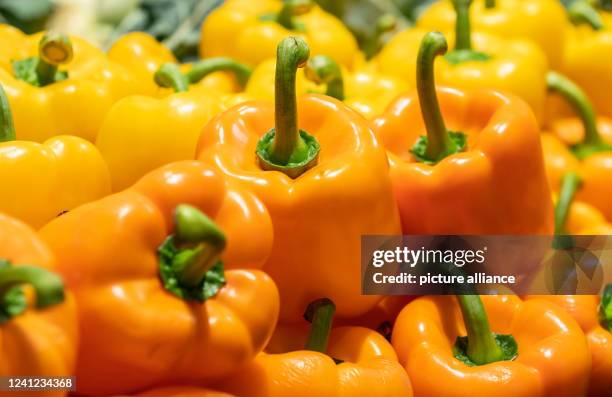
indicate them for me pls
(54, 49)
(569, 186)
(463, 31)
(201, 69)
(7, 129)
(482, 347)
(193, 229)
(576, 97)
(438, 139)
(321, 314)
(292, 8)
(322, 69)
(169, 75)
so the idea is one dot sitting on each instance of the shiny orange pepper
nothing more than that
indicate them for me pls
(71, 99)
(545, 351)
(590, 154)
(338, 362)
(492, 170)
(154, 301)
(324, 191)
(38, 326)
(180, 391)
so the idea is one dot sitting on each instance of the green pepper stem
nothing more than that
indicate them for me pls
(321, 314)
(169, 76)
(7, 129)
(292, 53)
(482, 347)
(490, 3)
(463, 31)
(292, 8)
(570, 183)
(54, 49)
(605, 308)
(438, 139)
(206, 242)
(580, 102)
(201, 69)
(322, 69)
(48, 286)
(582, 12)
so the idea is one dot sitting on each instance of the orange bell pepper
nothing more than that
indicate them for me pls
(142, 133)
(339, 362)
(492, 170)
(539, 350)
(38, 330)
(591, 152)
(40, 181)
(321, 201)
(598, 330)
(195, 324)
(180, 391)
(72, 100)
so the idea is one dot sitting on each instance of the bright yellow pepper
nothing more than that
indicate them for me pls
(249, 31)
(40, 181)
(366, 91)
(541, 21)
(509, 65)
(47, 101)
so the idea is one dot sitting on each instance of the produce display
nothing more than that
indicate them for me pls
(200, 196)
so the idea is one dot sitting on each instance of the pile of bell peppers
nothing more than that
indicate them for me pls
(194, 229)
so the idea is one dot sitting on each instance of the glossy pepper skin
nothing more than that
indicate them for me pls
(246, 30)
(369, 367)
(42, 180)
(364, 90)
(319, 208)
(73, 106)
(542, 21)
(181, 391)
(502, 164)
(43, 341)
(581, 144)
(584, 308)
(553, 357)
(515, 66)
(135, 330)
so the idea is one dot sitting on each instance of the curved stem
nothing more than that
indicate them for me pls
(204, 242)
(201, 69)
(482, 347)
(321, 314)
(292, 8)
(463, 31)
(322, 69)
(169, 76)
(580, 102)
(490, 3)
(582, 12)
(605, 308)
(438, 139)
(48, 286)
(7, 129)
(569, 186)
(54, 49)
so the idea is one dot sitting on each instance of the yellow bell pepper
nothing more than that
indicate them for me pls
(479, 60)
(249, 31)
(541, 21)
(41, 181)
(366, 91)
(587, 61)
(47, 101)
(142, 133)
